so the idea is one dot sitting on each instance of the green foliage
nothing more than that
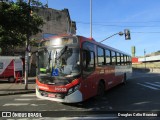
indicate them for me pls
(16, 22)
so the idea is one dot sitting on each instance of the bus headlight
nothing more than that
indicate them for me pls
(76, 87)
(70, 91)
(37, 87)
(73, 89)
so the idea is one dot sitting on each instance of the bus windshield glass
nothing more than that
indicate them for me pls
(59, 41)
(59, 61)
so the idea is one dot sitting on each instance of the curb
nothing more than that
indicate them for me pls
(16, 93)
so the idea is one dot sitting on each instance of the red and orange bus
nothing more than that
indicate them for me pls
(74, 68)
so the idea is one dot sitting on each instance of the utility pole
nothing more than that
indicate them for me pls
(145, 59)
(91, 19)
(27, 52)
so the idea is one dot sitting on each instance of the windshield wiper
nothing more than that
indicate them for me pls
(61, 52)
(49, 59)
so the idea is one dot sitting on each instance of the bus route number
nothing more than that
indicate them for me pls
(61, 89)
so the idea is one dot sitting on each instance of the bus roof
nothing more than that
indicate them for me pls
(87, 39)
(103, 45)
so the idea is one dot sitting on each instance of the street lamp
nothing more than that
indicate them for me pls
(119, 33)
(126, 33)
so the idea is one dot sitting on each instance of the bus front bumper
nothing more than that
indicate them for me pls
(72, 98)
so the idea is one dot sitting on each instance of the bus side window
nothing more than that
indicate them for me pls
(118, 59)
(101, 60)
(130, 60)
(113, 56)
(108, 57)
(122, 59)
(125, 61)
(88, 61)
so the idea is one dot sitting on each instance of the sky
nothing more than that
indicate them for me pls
(141, 17)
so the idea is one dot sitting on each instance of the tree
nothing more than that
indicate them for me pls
(16, 22)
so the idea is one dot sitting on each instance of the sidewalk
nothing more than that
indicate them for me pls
(7, 88)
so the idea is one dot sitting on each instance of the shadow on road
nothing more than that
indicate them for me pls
(129, 97)
(96, 104)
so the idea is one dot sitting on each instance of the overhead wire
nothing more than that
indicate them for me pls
(115, 25)
(145, 32)
(128, 26)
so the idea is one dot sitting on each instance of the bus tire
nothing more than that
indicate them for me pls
(11, 79)
(100, 90)
(124, 79)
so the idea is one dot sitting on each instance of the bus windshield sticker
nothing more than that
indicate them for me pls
(55, 72)
(43, 70)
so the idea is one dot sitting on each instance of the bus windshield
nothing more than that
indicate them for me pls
(59, 62)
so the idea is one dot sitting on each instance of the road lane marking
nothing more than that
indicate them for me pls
(28, 95)
(27, 99)
(16, 104)
(153, 84)
(36, 104)
(153, 88)
(157, 82)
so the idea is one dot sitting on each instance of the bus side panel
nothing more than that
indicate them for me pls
(121, 70)
(129, 72)
(118, 75)
(88, 86)
(106, 73)
(18, 68)
(109, 77)
(7, 69)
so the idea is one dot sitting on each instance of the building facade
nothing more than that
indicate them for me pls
(56, 22)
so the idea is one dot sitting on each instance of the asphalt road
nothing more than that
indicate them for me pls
(141, 93)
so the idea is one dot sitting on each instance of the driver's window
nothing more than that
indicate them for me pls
(88, 61)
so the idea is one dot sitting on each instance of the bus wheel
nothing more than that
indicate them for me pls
(101, 90)
(124, 79)
(11, 79)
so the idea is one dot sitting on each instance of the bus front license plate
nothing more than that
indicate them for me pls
(52, 95)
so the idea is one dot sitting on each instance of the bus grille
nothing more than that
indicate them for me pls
(52, 94)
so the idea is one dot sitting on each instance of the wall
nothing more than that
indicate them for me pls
(56, 22)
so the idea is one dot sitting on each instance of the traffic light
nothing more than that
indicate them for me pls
(127, 34)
